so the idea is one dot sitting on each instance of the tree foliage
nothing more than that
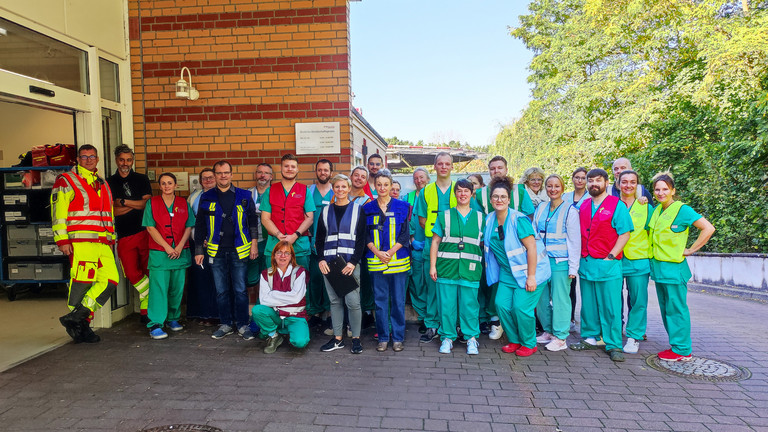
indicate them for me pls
(679, 85)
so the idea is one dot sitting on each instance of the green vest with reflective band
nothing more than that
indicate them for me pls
(667, 245)
(639, 245)
(430, 197)
(483, 197)
(452, 261)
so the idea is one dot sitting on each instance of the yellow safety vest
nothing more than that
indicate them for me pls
(430, 197)
(667, 245)
(639, 245)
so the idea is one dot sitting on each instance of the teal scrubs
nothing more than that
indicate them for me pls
(672, 288)
(636, 274)
(601, 289)
(166, 276)
(432, 314)
(416, 284)
(514, 304)
(458, 296)
(302, 247)
(317, 296)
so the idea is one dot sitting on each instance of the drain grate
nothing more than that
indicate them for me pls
(183, 428)
(700, 368)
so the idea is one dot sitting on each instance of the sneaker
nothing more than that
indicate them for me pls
(631, 346)
(157, 333)
(496, 331)
(556, 345)
(175, 326)
(357, 346)
(525, 351)
(222, 331)
(245, 332)
(397, 346)
(272, 344)
(333, 345)
(382, 346)
(472, 346)
(428, 335)
(544, 338)
(422, 327)
(328, 331)
(446, 346)
(511, 347)
(573, 327)
(376, 336)
(669, 355)
(485, 328)
(616, 355)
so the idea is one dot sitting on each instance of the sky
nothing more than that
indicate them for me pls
(438, 70)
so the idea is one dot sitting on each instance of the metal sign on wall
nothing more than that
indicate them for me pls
(318, 138)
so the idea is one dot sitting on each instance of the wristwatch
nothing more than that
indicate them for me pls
(298, 234)
(611, 257)
(122, 202)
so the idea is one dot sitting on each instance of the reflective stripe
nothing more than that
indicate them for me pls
(515, 252)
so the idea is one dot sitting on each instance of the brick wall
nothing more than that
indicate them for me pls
(260, 66)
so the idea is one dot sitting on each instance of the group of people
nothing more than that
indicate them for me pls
(475, 259)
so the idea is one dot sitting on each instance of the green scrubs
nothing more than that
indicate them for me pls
(416, 284)
(269, 321)
(672, 289)
(601, 289)
(432, 314)
(166, 276)
(558, 291)
(302, 246)
(317, 297)
(457, 296)
(636, 274)
(514, 304)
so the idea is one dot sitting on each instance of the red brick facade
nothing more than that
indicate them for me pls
(260, 66)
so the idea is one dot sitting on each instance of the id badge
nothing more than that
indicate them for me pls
(460, 245)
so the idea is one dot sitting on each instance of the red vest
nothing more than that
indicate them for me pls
(285, 284)
(597, 235)
(288, 211)
(170, 227)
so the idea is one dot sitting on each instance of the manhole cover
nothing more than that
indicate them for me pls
(700, 368)
(183, 427)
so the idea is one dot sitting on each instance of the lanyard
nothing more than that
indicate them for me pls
(549, 217)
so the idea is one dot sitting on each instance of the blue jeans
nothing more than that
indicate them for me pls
(389, 296)
(231, 295)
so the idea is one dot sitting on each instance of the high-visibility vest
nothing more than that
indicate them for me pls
(430, 197)
(639, 244)
(410, 197)
(170, 224)
(89, 215)
(483, 197)
(383, 230)
(239, 220)
(553, 229)
(667, 245)
(459, 255)
(288, 210)
(340, 235)
(598, 236)
(516, 252)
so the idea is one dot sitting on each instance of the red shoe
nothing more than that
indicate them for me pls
(669, 355)
(510, 348)
(525, 351)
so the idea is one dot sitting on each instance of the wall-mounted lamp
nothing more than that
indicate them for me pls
(184, 90)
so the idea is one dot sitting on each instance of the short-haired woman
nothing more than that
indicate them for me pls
(282, 308)
(341, 232)
(169, 220)
(533, 179)
(669, 227)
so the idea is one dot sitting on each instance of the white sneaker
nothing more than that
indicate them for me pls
(446, 346)
(556, 345)
(544, 338)
(632, 346)
(496, 332)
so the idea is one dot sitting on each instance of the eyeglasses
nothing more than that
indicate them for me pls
(88, 158)
(223, 173)
(499, 197)
(283, 253)
(209, 178)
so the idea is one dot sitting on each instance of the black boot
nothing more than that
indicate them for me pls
(86, 333)
(72, 322)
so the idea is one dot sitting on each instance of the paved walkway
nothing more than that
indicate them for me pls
(129, 382)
